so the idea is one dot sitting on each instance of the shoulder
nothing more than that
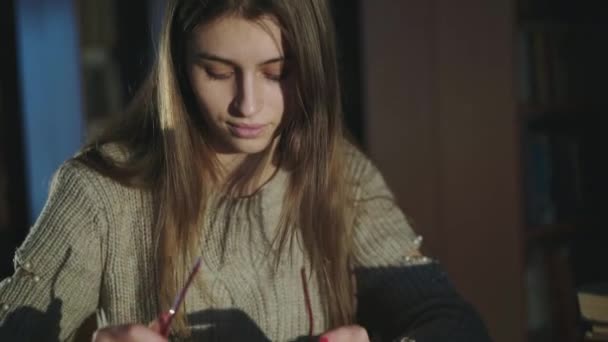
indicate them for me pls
(74, 178)
(75, 173)
(111, 165)
(86, 198)
(356, 162)
(359, 167)
(115, 152)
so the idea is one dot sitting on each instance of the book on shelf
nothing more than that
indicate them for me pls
(543, 66)
(542, 73)
(593, 302)
(567, 185)
(102, 82)
(539, 304)
(559, 69)
(540, 206)
(526, 80)
(600, 329)
(551, 294)
(595, 336)
(97, 23)
(553, 184)
(593, 305)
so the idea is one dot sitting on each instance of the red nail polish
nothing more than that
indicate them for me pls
(324, 339)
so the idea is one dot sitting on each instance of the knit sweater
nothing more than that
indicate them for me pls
(92, 248)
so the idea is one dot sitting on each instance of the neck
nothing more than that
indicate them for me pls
(244, 174)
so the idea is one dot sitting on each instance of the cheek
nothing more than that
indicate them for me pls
(275, 98)
(213, 99)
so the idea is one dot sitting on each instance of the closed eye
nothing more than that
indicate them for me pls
(275, 71)
(219, 74)
(274, 77)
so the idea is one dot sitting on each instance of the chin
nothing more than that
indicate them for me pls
(250, 146)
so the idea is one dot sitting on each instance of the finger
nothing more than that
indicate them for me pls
(127, 333)
(155, 326)
(350, 333)
(110, 333)
(142, 333)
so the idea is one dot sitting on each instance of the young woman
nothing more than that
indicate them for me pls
(232, 151)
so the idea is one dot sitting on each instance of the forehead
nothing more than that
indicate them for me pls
(239, 39)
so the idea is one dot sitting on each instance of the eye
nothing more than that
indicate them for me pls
(275, 72)
(273, 76)
(219, 73)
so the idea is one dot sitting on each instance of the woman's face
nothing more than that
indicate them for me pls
(236, 71)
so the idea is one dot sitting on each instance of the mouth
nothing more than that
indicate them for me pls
(246, 131)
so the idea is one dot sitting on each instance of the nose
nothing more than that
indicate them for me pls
(248, 100)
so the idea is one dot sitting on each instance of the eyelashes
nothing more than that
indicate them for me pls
(220, 76)
(275, 77)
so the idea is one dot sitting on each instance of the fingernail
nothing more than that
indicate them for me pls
(324, 339)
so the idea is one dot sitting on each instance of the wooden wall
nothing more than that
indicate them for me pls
(441, 125)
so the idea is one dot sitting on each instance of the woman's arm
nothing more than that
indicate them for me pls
(415, 302)
(399, 292)
(58, 267)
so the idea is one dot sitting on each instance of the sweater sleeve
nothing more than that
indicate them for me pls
(400, 293)
(58, 268)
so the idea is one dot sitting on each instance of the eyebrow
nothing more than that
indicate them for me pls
(215, 58)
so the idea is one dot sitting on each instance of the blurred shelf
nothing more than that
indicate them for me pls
(565, 118)
(549, 232)
(534, 108)
(536, 24)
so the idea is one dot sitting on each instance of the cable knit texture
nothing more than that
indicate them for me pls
(92, 248)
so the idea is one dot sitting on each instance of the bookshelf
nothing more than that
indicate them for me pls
(559, 73)
(101, 80)
(549, 232)
(115, 46)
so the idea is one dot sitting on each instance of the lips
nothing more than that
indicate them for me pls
(246, 131)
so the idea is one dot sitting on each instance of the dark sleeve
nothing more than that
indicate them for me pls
(399, 292)
(415, 301)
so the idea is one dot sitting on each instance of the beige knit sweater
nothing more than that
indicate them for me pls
(91, 248)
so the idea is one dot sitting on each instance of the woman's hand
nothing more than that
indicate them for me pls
(130, 333)
(350, 333)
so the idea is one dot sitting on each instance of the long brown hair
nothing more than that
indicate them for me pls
(168, 152)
